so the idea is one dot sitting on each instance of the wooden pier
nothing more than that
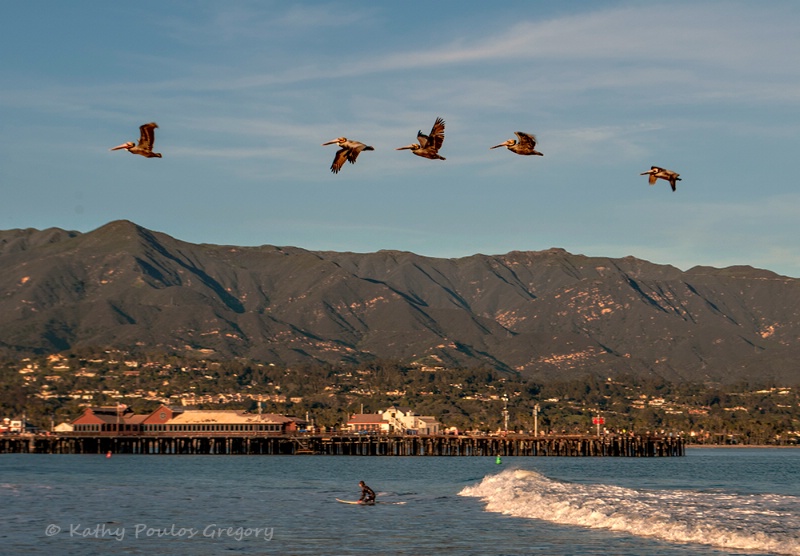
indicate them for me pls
(349, 445)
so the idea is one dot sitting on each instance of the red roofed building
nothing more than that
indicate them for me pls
(119, 419)
(158, 419)
(166, 420)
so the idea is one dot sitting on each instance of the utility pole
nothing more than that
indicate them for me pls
(505, 413)
(536, 409)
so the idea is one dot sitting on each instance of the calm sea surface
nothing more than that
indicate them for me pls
(713, 501)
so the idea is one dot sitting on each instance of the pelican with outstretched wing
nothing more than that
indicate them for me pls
(668, 175)
(429, 145)
(525, 143)
(349, 151)
(146, 139)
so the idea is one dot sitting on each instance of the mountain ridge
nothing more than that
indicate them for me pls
(544, 313)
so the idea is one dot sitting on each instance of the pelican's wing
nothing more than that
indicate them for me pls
(526, 140)
(338, 159)
(355, 150)
(437, 134)
(422, 139)
(353, 154)
(147, 136)
(652, 179)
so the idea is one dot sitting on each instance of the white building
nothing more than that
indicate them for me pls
(394, 420)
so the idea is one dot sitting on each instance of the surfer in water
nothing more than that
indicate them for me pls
(367, 494)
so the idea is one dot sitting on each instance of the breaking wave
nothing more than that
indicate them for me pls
(755, 522)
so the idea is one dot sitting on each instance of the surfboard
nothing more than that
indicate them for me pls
(356, 502)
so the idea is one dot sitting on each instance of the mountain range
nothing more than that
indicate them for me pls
(546, 314)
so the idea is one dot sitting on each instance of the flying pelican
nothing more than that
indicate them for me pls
(429, 145)
(668, 175)
(146, 140)
(349, 151)
(525, 145)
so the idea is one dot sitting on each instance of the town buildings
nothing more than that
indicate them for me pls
(166, 420)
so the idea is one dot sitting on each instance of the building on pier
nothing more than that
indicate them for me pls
(394, 420)
(121, 420)
(368, 423)
(231, 421)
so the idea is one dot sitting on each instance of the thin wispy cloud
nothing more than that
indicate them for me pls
(652, 33)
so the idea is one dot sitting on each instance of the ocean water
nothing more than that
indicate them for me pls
(713, 501)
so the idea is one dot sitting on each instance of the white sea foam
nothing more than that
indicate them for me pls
(756, 522)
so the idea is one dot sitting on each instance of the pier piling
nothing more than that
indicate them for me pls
(349, 445)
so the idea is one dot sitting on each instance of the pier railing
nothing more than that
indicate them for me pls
(351, 445)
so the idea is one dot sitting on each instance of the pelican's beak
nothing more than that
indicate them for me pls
(648, 172)
(331, 142)
(127, 145)
(503, 144)
(406, 147)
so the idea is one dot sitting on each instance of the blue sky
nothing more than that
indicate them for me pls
(245, 93)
